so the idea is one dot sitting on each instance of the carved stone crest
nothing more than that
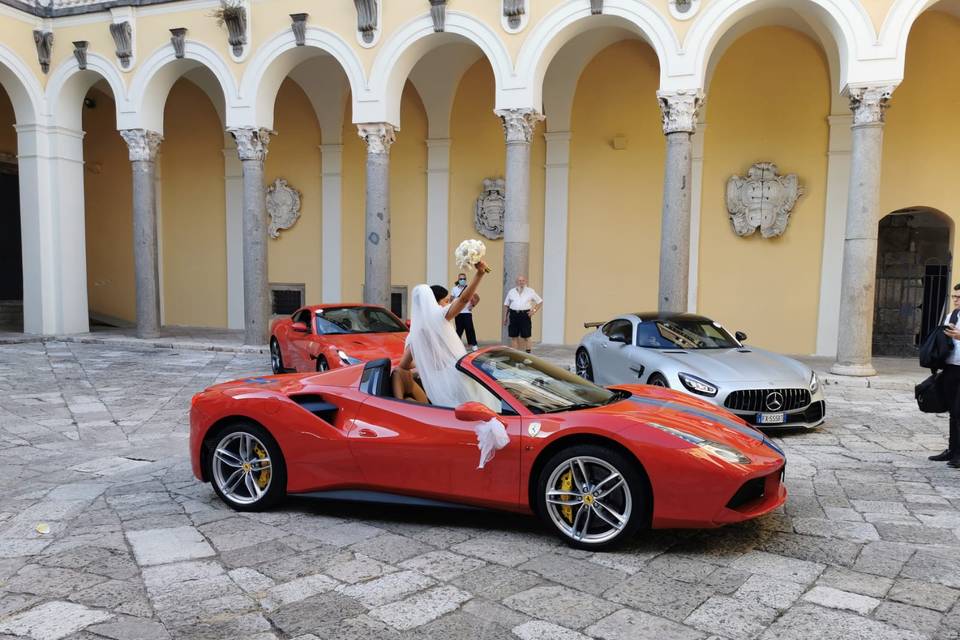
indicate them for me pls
(488, 213)
(762, 199)
(283, 206)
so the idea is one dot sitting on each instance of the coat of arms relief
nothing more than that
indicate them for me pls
(283, 206)
(488, 213)
(762, 199)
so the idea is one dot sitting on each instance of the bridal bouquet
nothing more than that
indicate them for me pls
(469, 253)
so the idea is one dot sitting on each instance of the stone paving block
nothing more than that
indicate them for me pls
(855, 531)
(924, 594)
(560, 605)
(810, 621)
(390, 548)
(627, 624)
(507, 550)
(296, 590)
(461, 625)
(359, 569)
(540, 630)
(495, 581)
(578, 574)
(908, 617)
(779, 566)
(884, 558)
(162, 546)
(387, 588)
(126, 628)
(659, 595)
(420, 608)
(863, 583)
(442, 565)
(250, 580)
(935, 565)
(52, 620)
(680, 568)
(734, 618)
(52, 582)
(837, 599)
(769, 592)
(495, 612)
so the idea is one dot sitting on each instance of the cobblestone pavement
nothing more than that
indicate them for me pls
(104, 533)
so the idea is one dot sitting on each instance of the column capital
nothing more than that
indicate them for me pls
(379, 136)
(679, 109)
(143, 144)
(251, 142)
(518, 124)
(869, 103)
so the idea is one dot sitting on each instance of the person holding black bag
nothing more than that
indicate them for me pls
(948, 381)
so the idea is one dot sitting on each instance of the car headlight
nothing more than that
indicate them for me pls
(346, 359)
(716, 449)
(814, 382)
(697, 385)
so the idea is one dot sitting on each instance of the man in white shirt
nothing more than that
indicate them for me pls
(464, 319)
(950, 379)
(518, 307)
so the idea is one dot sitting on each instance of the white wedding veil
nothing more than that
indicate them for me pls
(432, 338)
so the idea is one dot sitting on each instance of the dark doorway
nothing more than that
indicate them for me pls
(913, 278)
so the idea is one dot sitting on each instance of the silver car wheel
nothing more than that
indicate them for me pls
(276, 360)
(583, 365)
(242, 468)
(588, 500)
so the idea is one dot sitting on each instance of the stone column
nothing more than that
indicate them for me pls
(855, 336)
(331, 162)
(679, 109)
(376, 260)
(252, 149)
(144, 145)
(518, 126)
(556, 207)
(438, 209)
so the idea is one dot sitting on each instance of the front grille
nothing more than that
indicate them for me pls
(760, 401)
(750, 491)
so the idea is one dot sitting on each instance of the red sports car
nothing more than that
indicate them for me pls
(330, 336)
(596, 464)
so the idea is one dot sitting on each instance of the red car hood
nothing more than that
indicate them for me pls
(368, 346)
(682, 412)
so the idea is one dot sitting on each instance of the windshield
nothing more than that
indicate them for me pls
(357, 320)
(540, 386)
(684, 334)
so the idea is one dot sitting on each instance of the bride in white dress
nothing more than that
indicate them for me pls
(434, 348)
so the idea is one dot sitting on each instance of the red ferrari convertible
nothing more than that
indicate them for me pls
(330, 336)
(596, 464)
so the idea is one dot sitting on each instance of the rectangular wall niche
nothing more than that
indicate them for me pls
(286, 298)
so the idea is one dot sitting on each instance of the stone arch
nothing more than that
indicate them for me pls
(156, 76)
(847, 23)
(409, 45)
(275, 60)
(897, 26)
(69, 84)
(573, 19)
(22, 86)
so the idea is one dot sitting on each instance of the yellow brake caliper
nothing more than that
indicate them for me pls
(566, 484)
(264, 477)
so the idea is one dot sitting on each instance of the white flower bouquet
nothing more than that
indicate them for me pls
(469, 253)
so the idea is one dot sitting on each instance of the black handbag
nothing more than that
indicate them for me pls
(930, 396)
(936, 349)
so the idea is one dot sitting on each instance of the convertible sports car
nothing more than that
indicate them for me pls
(696, 355)
(596, 464)
(330, 336)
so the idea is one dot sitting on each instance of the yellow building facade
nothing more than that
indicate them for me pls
(635, 115)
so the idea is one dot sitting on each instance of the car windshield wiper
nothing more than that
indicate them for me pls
(575, 407)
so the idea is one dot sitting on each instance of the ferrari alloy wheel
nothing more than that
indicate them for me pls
(276, 358)
(584, 367)
(592, 496)
(246, 468)
(658, 380)
(322, 364)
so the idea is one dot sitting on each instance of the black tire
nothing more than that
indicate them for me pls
(276, 357)
(657, 380)
(272, 488)
(322, 364)
(582, 364)
(629, 499)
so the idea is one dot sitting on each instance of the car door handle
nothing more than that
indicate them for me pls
(367, 433)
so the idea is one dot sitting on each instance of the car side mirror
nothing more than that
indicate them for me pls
(407, 322)
(618, 338)
(741, 336)
(299, 326)
(474, 412)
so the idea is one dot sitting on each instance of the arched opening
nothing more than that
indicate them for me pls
(913, 279)
(11, 255)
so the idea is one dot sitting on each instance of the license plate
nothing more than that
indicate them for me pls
(771, 418)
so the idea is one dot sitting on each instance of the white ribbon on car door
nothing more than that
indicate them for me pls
(491, 437)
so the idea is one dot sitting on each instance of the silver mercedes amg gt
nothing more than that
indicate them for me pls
(694, 354)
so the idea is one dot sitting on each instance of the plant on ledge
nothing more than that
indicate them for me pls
(233, 14)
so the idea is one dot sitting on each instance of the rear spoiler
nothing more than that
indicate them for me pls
(592, 325)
